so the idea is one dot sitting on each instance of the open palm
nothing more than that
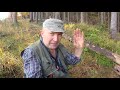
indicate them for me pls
(78, 39)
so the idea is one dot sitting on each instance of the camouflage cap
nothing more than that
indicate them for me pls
(54, 25)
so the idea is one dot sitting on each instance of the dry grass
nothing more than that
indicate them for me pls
(90, 66)
(10, 66)
(14, 39)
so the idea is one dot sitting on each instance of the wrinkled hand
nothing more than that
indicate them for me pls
(78, 39)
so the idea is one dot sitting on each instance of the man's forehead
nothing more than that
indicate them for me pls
(47, 30)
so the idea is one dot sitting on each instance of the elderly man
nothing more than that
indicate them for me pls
(47, 57)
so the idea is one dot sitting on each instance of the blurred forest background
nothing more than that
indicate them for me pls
(100, 57)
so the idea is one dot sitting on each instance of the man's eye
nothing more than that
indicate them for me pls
(60, 34)
(52, 33)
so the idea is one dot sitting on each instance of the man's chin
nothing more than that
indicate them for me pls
(53, 47)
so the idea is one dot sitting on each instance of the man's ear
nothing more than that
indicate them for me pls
(41, 32)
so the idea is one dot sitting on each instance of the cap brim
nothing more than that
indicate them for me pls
(57, 30)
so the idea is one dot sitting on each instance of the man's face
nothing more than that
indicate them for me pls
(51, 39)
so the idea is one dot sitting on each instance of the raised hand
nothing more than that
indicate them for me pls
(78, 41)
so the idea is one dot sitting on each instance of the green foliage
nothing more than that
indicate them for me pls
(91, 67)
(10, 67)
(85, 49)
(93, 64)
(98, 35)
(101, 59)
(13, 39)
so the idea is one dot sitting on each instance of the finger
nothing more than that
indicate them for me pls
(79, 34)
(74, 37)
(82, 34)
(75, 32)
(74, 41)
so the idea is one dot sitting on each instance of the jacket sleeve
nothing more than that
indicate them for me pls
(32, 66)
(71, 59)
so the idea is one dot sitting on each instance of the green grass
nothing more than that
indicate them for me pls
(98, 35)
(100, 59)
(92, 65)
(13, 39)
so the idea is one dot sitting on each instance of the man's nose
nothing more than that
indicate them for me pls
(55, 38)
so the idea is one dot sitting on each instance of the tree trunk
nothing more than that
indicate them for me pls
(36, 17)
(11, 17)
(118, 22)
(68, 16)
(57, 15)
(14, 15)
(82, 17)
(108, 20)
(77, 17)
(113, 26)
(102, 18)
(86, 17)
(64, 16)
(31, 16)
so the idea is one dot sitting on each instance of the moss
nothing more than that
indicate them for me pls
(14, 39)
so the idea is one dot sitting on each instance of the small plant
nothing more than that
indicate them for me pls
(10, 67)
(14, 39)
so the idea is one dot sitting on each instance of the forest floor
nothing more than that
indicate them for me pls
(14, 39)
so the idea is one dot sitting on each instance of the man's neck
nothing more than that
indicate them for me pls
(53, 52)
